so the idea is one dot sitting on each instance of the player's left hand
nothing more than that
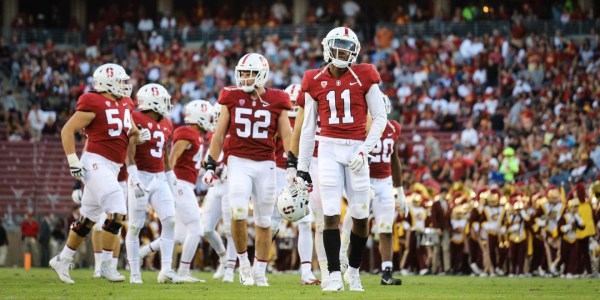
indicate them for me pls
(171, 180)
(402, 207)
(359, 159)
(303, 181)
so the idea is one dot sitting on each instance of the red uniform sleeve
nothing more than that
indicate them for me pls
(182, 134)
(223, 96)
(374, 77)
(301, 100)
(286, 103)
(397, 128)
(87, 103)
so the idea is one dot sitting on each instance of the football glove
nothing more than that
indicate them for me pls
(144, 134)
(76, 166)
(303, 181)
(134, 181)
(360, 158)
(209, 178)
(171, 180)
(401, 200)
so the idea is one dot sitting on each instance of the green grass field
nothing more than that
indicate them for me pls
(44, 284)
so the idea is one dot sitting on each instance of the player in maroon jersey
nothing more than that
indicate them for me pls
(340, 95)
(385, 174)
(253, 115)
(148, 181)
(305, 239)
(107, 121)
(186, 157)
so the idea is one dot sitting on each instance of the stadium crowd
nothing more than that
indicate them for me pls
(521, 109)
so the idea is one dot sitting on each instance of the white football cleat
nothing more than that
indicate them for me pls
(61, 267)
(168, 276)
(110, 273)
(325, 282)
(220, 272)
(246, 275)
(354, 281)
(135, 278)
(187, 277)
(97, 274)
(260, 279)
(335, 284)
(228, 275)
(309, 279)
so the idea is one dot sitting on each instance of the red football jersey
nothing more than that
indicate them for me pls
(253, 123)
(149, 155)
(342, 105)
(300, 102)
(381, 163)
(122, 174)
(188, 164)
(108, 132)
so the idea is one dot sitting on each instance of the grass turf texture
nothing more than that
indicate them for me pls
(44, 284)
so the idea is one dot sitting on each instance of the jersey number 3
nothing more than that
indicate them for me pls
(256, 130)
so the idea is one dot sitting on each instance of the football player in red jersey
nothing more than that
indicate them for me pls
(384, 171)
(107, 121)
(186, 157)
(252, 114)
(148, 181)
(216, 207)
(341, 94)
(305, 239)
(314, 197)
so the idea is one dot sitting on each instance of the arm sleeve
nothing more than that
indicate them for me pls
(377, 110)
(307, 136)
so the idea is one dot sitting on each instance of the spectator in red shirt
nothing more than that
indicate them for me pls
(29, 231)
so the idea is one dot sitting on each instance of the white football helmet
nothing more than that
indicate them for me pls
(387, 103)
(292, 203)
(216, 114)
(154, 97)
(112, 78)
(294, 91)
(252, 62)
(341, 38)
(199, 112)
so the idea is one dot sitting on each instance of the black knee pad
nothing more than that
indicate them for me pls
(112, 226)
(82, 227)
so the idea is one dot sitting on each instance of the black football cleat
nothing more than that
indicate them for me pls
(387, 279)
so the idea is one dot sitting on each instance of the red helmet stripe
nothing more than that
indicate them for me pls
(293, 88)
(245, 58)
(346, 31)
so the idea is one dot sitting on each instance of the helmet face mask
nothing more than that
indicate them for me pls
(292, 203)
(341, 47)
(251, 72)
(154, 97)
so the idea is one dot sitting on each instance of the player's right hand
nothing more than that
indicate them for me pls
(209, 178)
(138, 188)
(76, 166)
(76, 195)
(303, 181)
(144, 135)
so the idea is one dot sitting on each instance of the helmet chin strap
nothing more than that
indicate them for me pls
(349, 68)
